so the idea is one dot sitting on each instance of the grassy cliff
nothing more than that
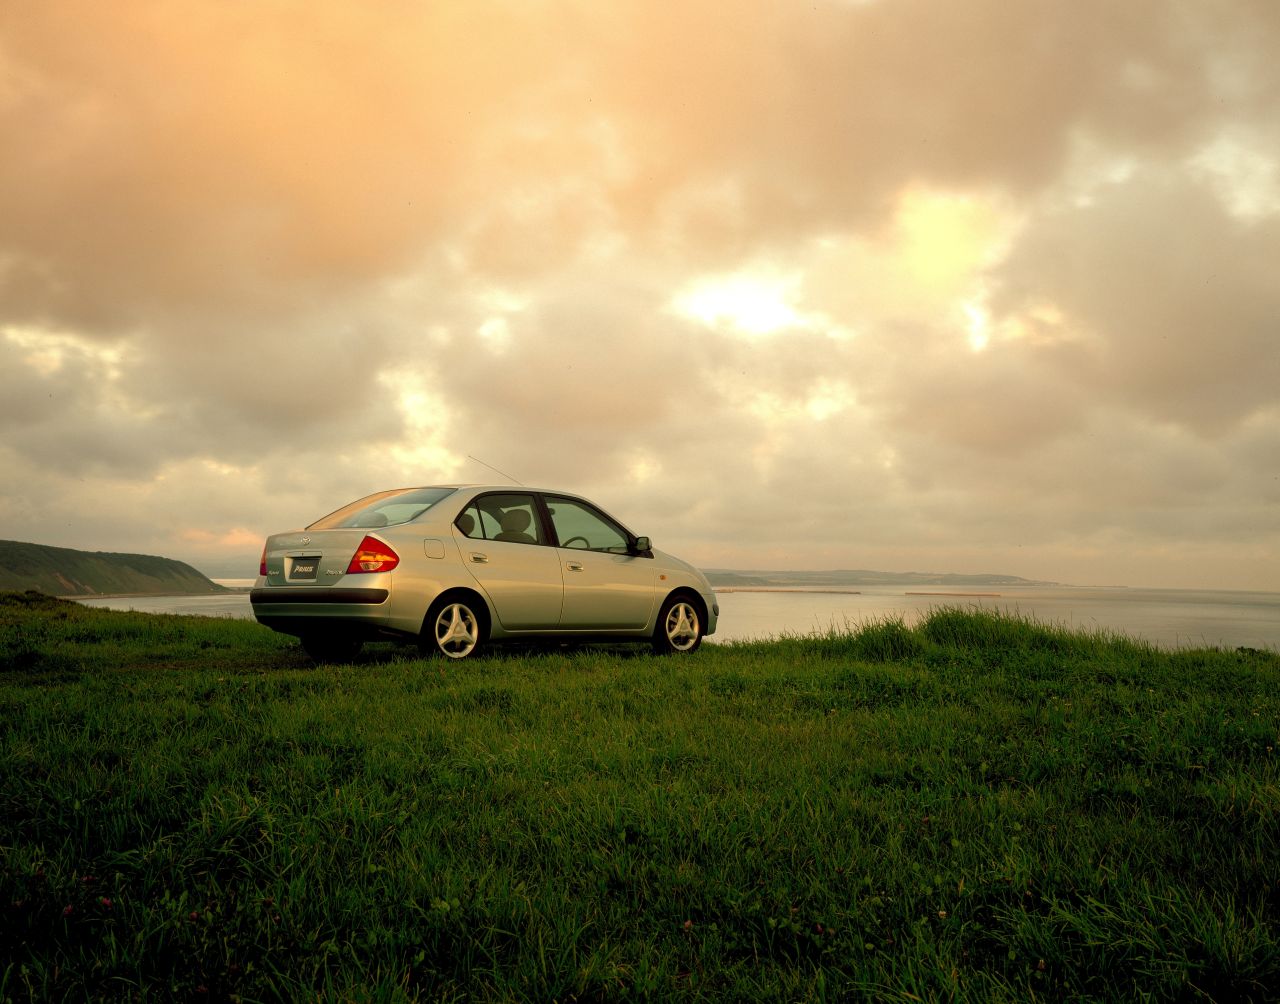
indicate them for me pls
(977, 808)
(61, 571)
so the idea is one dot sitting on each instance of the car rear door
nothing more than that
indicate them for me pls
(517, 569)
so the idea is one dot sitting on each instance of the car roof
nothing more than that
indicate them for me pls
(481, 487)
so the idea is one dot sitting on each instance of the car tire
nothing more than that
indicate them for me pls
(680, 627)
(331, 647)
(452, 629)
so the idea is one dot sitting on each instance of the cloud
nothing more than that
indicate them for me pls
(1168, 303)
(900, 282)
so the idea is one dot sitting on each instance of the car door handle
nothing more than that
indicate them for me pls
(573, 566)
(478, 558)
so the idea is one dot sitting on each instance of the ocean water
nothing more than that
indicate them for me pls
(1170, 618)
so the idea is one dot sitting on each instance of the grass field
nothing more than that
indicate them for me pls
(978, 808)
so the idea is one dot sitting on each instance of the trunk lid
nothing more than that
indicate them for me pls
(311, 557)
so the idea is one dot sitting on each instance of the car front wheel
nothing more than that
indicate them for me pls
(679, 628)
(452, 629)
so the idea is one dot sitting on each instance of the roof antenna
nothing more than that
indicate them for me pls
(495, 470)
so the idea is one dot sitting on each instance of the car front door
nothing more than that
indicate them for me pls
(606, 586)
(504, 547)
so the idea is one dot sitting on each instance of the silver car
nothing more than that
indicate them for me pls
(458, 566)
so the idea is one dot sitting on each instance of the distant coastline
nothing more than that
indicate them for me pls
(225, 591)
(69, 573)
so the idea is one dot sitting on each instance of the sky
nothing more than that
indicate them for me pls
(886, 284)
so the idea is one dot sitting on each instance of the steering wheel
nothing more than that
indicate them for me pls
(569, 542)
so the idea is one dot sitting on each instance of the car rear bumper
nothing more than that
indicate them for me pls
(265, 596)
(299, 610)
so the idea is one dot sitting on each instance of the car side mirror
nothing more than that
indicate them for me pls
(641, 545)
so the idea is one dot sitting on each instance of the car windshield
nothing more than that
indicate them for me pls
(384, 509)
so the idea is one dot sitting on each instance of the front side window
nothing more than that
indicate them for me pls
(509, 517)
(384, 508)
(581, 526)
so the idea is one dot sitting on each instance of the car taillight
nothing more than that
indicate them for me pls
(373, 556)
(262, 565)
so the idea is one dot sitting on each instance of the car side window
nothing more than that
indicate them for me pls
(471, 521)
(578, 525)
(508, 517)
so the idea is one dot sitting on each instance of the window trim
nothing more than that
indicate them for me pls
(538, 514)
(550, 538)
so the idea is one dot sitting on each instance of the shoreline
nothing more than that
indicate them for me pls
(1168, 618)
(227, 591)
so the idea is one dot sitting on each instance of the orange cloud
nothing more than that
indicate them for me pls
(234, 539)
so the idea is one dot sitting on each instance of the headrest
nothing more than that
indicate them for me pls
(516, 520)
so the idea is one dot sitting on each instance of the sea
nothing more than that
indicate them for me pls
(1168, 618)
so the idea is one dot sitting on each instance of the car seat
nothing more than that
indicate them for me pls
(514, 524)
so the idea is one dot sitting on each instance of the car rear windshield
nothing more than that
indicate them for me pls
(384, 508)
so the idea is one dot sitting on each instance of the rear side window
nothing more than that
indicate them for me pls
(383, 509)
(510, 517)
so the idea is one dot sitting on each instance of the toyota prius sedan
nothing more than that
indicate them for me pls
(459, 566)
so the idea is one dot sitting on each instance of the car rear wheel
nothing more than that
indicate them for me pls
(331, 647)
(452, 629)
(679, 628)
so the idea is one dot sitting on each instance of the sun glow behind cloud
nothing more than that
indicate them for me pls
(746, 303)
(941, 237)
(979, 336)
(945, 242)
(426, 421)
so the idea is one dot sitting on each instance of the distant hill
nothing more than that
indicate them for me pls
(858, 577)
(61, 571)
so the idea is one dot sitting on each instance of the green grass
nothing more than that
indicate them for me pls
(977, 808)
